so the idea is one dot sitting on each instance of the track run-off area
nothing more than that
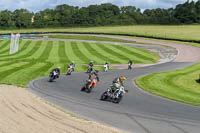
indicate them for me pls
(37, 57)
(139, 111)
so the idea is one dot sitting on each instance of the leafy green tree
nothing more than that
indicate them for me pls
(197, 6)
(65, 13)
(6, 19)
(22, 18)
(103, 14)
(186, 13)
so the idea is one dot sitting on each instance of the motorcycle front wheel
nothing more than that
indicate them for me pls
(90, 89)
(104, 96)
(51, 79)
(83, 88)
(117, 100)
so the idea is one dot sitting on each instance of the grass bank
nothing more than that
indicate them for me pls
(90, 38)
(180, 85)
(187, 32)
(36, 58)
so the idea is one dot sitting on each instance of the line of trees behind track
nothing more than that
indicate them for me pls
(100, 15)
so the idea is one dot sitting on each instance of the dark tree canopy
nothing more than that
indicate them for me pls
(98, 15)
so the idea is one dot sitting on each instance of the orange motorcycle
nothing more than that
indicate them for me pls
(90, 84)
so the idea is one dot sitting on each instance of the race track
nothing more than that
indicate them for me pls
(138, 112)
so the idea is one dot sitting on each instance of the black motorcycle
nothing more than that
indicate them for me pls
(129, 66)
(89, 70)
(115, 96)
(53, 75)
(88, 86)
(69, 71)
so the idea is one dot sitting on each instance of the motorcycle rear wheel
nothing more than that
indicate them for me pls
(104, 96)
(51, 79)
(83, 88)
(117, 100)
(90, 89)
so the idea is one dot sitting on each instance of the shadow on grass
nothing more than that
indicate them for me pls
(198, 80)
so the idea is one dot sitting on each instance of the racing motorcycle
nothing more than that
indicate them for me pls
(53, 75)
(115, 96)
(105, 68)
(90, 84)
(129, 66)
(69, 71)
(89, 70)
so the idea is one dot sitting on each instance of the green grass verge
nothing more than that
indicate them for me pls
(37, 58)
(90, 38)
(187, 43)
(180, 85)
(176, 31)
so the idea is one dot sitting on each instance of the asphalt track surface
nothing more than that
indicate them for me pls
(138, 112)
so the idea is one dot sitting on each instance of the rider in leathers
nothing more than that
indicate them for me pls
(117, 83)
(94, 78)
(57, 70)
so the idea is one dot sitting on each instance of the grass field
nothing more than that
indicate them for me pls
(169, 41)
(180, 85)
(90, 38)
(37, 58)
(177, 31)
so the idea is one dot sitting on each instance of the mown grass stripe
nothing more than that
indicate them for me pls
(4, 45)
(172, 85)
(8, 63)
(1, 42)
(168, 82)
(130, 57)
(18, 54)
(126, 50)
(63, 58)
(70, 53)
(6, 73)
(25, 46)
(24, 76)
(81, 68)
(109, 50)
(46, 53)
(87, 53)
(78, 53)
(172, 77)
(37, 58)
(4, 51)
(95, 53)
(4, 48)
(32, 51)
(30, 64)
(28, 54)
(42, 71)
(107, 54)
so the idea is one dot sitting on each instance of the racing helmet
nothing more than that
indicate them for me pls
(91, 76)
(122, 78)
(96, 72)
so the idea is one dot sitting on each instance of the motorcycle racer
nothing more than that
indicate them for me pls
(94, 77)
(118, 82)
(54, 74)
(56, 71)
(91, 82)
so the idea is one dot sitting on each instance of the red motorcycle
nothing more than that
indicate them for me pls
(90, 84)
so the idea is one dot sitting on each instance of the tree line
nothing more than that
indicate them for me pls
(100, 15)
